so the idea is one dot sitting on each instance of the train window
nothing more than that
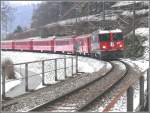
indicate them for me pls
(117, 36)
(62, 42)
(104, 37)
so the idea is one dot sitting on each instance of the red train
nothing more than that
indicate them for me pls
(101, 44)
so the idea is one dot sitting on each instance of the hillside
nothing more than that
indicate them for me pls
(118, 17)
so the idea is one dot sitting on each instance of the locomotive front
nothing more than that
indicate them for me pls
(107, 44)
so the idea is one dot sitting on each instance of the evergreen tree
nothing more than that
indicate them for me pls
(18, 29)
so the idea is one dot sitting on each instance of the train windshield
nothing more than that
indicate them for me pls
(104, 37)
(117, 36)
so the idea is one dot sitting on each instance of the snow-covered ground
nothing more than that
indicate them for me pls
(86, 65)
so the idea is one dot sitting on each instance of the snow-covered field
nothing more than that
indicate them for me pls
(86, 65)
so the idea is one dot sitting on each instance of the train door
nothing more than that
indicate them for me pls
(13, 44)
(94, 42)
(88, 45)
(77, 45)
(31, 44)
(52, 45)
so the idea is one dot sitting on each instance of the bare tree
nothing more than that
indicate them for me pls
(6, 16)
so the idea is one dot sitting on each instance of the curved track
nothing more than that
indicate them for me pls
(79, 99)
(95, 105)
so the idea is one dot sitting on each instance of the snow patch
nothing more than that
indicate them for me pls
(125, 3)
(142, 32)
(139, 12)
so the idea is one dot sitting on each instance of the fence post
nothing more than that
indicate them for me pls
(141, 93)
(130, 99)
(72, 65)
(76, 63)
(65, 67)
(148, 72)
(55, 69)
(43, 83)
(3, 82)
(26, 77)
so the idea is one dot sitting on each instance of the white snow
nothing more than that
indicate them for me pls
(96, 17)
(11, 84)
(127, 13)
(124, 3)
(137, 12)
(142, 32)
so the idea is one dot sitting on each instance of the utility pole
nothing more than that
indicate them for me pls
(60, 11)
(103, 24)
(103, 10)
(134, 24)
(6, 26)
(76, 42)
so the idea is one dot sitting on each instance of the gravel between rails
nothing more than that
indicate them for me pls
(79, 99)
(50, 93)
(106, 102)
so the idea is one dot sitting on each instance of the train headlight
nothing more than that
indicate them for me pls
(120, 45)
(104, 47)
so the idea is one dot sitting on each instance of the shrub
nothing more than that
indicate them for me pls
(7, 64)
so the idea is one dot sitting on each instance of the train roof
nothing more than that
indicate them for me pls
(41, 39)
(23, 40)
(65, 37)
(6, 40)
(83, 36)
(108, 31)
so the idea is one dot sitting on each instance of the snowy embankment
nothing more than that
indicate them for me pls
(86, 65)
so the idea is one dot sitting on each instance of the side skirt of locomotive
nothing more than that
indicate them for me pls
(107, 55)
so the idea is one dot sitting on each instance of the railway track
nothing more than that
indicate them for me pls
(97, 103)
(79, 99)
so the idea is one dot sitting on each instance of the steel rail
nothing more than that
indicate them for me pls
(74, 93)
(109, 89)
(41, 106)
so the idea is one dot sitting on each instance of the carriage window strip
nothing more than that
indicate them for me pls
(62, 42)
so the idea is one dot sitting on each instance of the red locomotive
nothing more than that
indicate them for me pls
(101, 44)
(107, 44)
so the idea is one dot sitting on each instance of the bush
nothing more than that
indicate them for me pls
(7, 64)
(134, 47)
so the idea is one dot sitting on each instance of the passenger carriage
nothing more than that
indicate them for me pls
(7, 45)
(44, 44)
(83, 44)
(64, 44)
(23, 45)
